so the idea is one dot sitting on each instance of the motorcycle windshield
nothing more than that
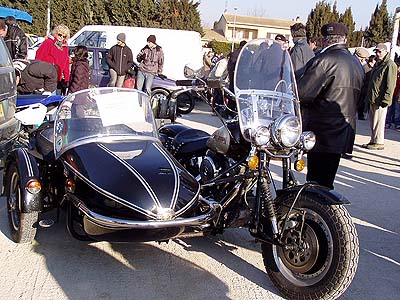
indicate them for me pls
(102, 115)
(265, 86)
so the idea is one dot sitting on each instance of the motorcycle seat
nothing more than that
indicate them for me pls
(191, 141)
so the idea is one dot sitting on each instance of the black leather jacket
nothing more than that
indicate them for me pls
(329, 91)
(15, 40)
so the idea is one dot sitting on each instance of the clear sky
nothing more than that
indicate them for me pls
(211, 10)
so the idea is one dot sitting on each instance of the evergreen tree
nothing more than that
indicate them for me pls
(347, 19)
(335, 13)
(318, 17)
(380, 26)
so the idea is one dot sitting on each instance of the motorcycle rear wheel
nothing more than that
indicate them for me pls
(325, 263)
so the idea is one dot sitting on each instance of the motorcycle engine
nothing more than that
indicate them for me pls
(211, 165)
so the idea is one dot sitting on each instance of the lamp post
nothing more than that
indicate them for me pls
(395, 32)
(234, 29)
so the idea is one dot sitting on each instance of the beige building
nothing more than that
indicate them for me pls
(238, 28)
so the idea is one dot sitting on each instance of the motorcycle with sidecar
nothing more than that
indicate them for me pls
(100, 157)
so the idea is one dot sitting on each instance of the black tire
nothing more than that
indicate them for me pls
(22, 225)
(185, 103)
(328, 263)
(159, 103)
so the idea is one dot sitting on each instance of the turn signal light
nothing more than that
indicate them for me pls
(70, 185)
(299, 165)
(253, 162)
(34, 186)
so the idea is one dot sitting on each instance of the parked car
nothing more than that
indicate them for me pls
(100, 76)
(8, 98)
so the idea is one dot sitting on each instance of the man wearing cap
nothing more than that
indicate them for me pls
(329, 90)
(151, 59)
(120, 59)
(380, 94)
(301, 52)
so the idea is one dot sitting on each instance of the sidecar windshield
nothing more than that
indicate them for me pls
(102, 114)
(265, 86)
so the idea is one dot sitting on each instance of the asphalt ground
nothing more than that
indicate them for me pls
(228, 266)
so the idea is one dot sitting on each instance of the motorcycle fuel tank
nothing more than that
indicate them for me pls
(137, 174)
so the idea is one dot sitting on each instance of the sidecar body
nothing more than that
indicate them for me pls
(102, 159)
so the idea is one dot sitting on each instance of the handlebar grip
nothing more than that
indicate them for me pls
(186, 82)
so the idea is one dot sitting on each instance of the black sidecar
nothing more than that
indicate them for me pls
(101, 159)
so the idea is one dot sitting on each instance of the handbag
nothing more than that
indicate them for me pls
(129, 83)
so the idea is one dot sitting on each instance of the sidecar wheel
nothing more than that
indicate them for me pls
(22, 225)
(324, 263)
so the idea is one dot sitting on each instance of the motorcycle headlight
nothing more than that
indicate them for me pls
(262, 136)
(307, 140)
(286, 130)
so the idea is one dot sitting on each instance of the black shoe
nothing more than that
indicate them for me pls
(361, 117)
(347, 156)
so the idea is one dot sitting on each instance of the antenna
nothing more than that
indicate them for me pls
(226, 6)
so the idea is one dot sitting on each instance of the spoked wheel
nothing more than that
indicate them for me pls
(185, 103)
(320, 258)
(22, 225)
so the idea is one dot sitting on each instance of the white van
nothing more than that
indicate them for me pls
(180, 47)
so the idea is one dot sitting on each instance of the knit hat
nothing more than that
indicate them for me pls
(121, 37)
(152, 38)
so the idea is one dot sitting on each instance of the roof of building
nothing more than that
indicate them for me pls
(213, 34)
(257, 21)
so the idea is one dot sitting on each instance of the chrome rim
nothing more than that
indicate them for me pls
(184, 102)
(13, 202)
(159, 96)
(307, 259)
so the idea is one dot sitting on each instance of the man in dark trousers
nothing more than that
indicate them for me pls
(329, 90)
(120, 59)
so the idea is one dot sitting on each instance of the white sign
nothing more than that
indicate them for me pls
(119, 108)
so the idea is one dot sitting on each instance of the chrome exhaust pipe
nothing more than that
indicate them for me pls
(211, 214)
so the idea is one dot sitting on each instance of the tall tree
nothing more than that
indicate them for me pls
(335, 13)
(380, 26)
(318, 16)
(347, 19)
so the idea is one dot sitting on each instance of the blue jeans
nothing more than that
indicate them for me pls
(393, 114)
(146, 79)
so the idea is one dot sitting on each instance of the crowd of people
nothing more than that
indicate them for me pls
(53, 62)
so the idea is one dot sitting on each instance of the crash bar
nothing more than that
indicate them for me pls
(109, 222)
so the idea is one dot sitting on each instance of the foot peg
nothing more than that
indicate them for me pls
(46, 223)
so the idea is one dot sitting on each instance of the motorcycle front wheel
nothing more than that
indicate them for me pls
(322, 252)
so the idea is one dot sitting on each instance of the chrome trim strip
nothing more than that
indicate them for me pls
(116, 223)
(176, 175)
(28, 162)
(146, 185)
(112, 196)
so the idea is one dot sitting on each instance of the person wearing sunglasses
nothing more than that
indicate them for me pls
(380, 94)
(55, 51)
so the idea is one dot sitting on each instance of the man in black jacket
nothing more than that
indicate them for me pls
(329, 91)
(35, 77)
(15, 39)
(120, 59)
